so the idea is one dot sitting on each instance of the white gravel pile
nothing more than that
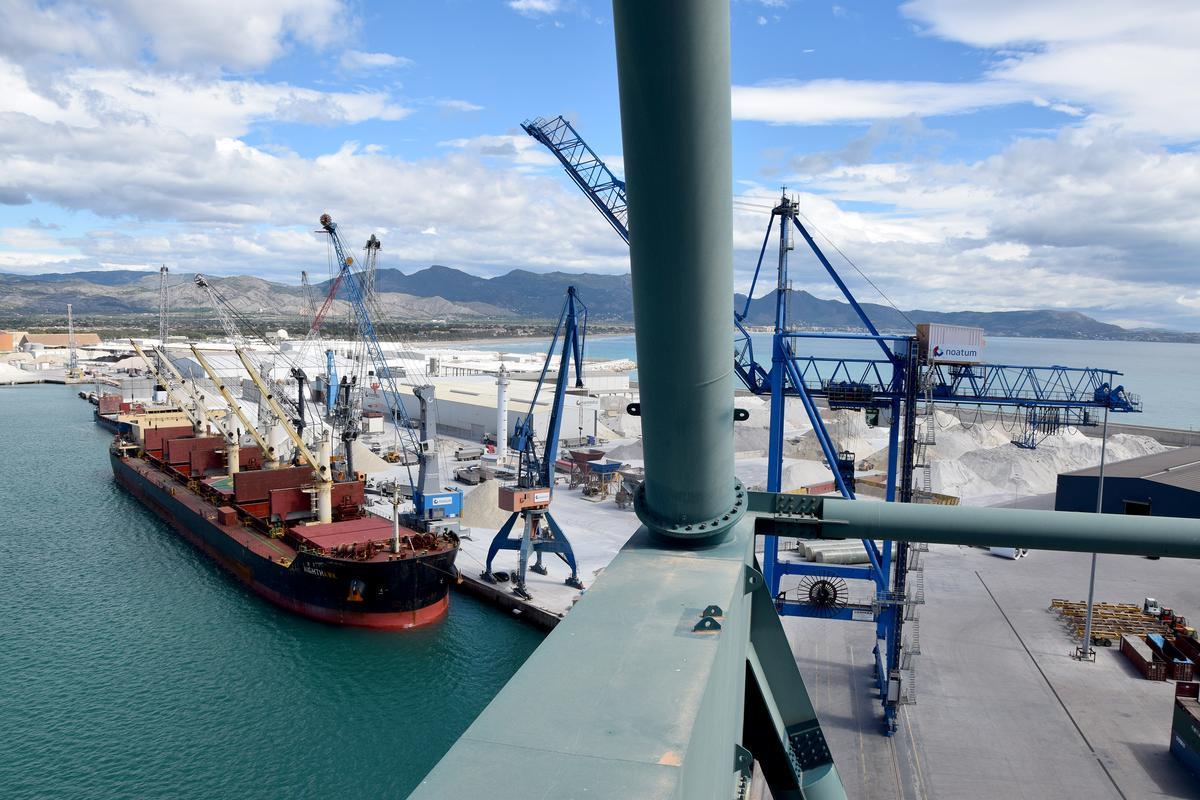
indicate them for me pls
(11, 374)
(986, 475)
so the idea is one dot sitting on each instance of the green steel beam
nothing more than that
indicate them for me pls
(837, 518)
(625, 699)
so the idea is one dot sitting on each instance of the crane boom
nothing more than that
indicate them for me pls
(163, 306)
(165, 363)
(269, 457)
(588, 170)
(193, 412)
(572, 326)
(431, 502)
(319, 463)
(366, 329)
(281, 416)
(310, 299)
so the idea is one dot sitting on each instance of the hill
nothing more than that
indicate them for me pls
(440, 292)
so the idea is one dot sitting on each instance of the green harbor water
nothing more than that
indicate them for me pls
(133, 667)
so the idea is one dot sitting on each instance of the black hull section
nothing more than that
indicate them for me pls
(380, 594)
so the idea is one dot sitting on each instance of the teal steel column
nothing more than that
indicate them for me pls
(673, 75)
(1006, 527)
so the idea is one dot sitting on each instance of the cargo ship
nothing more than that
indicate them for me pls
(259, 524)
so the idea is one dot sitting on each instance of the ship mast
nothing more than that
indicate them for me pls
(319, 462)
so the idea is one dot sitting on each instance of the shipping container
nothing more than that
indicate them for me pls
(1179, 666)
(514, 499)
(1142, 658)
(950, 344)
(1185, 726)
(1189, 647)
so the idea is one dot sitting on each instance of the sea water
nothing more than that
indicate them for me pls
(131, 666)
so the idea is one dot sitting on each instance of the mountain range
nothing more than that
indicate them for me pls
(444, 293)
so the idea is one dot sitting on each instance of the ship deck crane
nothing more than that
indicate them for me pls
(434, 506)
(530, 499)
(192, 408)
(1045, 397)
(270, 458)
(318, 461)
(227, 314)
(169, 377)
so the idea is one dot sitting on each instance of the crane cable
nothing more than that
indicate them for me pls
(744, 205)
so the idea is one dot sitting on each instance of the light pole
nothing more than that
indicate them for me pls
(1085, 651)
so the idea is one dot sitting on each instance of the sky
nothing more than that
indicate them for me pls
(981, 154)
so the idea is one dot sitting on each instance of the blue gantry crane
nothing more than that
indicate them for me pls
(434, 506)
(530, 499)
(900, 383)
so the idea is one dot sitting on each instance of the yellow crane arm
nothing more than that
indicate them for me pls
(194, 415)
(281, 415)
(267, 451)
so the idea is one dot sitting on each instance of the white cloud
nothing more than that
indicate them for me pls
(835, 100)
(458, 105)
(204, 34)
(1001, 251)
(533, 8)
(1129, 64)
(1096, 219)
(94, 99)
(520, 150)
(357, 61)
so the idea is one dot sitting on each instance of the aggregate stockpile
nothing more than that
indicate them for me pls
(260, 525)
(973, 459)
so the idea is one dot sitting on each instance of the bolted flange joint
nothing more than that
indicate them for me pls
(698, 530)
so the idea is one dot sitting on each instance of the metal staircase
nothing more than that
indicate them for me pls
(924, 438)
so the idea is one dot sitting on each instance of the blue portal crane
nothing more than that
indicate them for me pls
(434, 506)
(1044, 398)
(530, 498)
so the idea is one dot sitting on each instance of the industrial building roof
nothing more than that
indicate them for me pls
(61, 339)
(1179, 467)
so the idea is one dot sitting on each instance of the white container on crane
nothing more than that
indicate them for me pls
(950, 344)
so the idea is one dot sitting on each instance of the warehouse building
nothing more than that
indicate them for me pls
(1160, 485)
(466, 408)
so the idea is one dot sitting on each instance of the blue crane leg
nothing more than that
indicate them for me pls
(562, 546)
(501, 542)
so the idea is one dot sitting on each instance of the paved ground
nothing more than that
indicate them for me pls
(1002, 709)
